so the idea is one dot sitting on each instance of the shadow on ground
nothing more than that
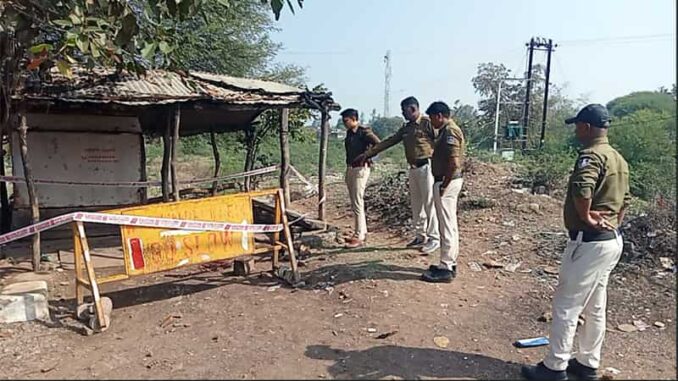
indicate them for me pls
(409, 363)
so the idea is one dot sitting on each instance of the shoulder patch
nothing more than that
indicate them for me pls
(583, 162)
(450, 139)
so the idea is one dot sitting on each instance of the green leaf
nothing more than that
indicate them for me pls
(62, 23)
(276, 5)
(225, 3)
(165, 48)
(82, 42)
(64, 68)
(95, 51)
(75, 19)
(40, 48)
(149, 50)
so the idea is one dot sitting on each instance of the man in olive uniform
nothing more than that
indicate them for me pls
(446, 166)
(597, 196)
(417, 137)
(358, 140)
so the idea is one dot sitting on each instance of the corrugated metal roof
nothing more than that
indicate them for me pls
(159, 87)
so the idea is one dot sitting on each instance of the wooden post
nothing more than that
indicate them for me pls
(175, 144)
(30, 185)
(322, 166)
(285, 153)
(4, 199)
(217, 161)
(166, 156)
(143, 192)
(251, 141)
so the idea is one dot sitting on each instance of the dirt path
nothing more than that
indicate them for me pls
(363, 314)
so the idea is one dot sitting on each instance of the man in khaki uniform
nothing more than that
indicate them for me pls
(417, 137)
(597, 196)
(446, 166)
(358, 140)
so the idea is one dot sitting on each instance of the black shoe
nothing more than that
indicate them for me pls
(582, 372)
(417, 241)
(438, 276)
(541, 373)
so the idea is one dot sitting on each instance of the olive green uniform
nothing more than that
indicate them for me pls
(602, 175)
(417, 138)
(449, 147)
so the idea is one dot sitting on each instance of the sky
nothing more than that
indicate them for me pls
(606, 48)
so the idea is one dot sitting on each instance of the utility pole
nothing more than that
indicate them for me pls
(528, 89)
(549, 50)
(387, 83)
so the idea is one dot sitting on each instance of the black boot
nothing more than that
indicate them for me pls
(437, 275)
(582, 372)
(541, 373)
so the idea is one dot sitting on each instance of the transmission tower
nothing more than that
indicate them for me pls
(387, 83)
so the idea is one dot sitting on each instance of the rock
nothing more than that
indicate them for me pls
(516, 238)
(659, 324)
(641, 325)
(509, 224)
(23, 307)
(534, 207)
(243, 266)
(546, 317)
(273, 288)
(371, 330)
(612, 371)
(512, 267)
(627, 328)
(441, 341)
(30, 287)
(493, 265)
(551, 270)
(667, 263)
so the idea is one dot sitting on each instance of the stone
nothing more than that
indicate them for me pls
(30, 287)
(627, 328)
(534, 207)
(441, 341)
(23, 307)
(659, 324)
(546, 317)
(243, 266)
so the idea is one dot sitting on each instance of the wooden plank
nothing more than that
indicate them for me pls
(89, 267)
(288, 238)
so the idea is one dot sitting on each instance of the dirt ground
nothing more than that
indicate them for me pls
(363, 314)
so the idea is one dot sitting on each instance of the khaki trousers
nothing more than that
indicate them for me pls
(582, 289)
(424, 218)
(446, 211)
(356, 181)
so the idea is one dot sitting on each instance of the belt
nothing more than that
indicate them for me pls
(420, 163)
(592, 236)
(454, 177)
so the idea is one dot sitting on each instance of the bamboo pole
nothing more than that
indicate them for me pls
(30, 186)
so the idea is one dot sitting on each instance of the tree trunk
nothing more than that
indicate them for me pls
(30, 186)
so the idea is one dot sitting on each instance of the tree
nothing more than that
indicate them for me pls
(659, 101)
(385, 127)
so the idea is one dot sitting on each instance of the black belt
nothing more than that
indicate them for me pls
(419, 163)
(592, 236)
(441, 178)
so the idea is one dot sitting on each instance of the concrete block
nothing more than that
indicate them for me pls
(24, 307)
(243, 266)
(31, 287)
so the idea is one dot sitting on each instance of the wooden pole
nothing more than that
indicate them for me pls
(251, 141)
(285, 154)
(322, 166)
(30, 186)
(175, 144)
(4, 198)
(166, 156)
(217, 160)
(143, 192)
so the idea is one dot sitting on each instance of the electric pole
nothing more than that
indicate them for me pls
(542, 44)
(549, 50)
(387, 83)
(528, 90)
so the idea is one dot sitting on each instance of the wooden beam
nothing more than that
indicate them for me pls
(143, 191)
(217, 160)
(166, 156)
(285, 153)
(30, 185)
(175, 145)
(251, 155)
(322, 166)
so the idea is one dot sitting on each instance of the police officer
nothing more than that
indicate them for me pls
(446, 166)
(417, 137)
(358, 140)
(597, 196)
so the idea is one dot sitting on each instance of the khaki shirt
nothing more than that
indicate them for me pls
(602, 175)
(448, 144)
(358, 142)
(417, 137)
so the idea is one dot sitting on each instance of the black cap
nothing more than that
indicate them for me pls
(593, 114)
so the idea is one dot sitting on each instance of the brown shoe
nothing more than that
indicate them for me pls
(353, 242)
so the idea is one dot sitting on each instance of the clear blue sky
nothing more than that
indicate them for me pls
(437, 44)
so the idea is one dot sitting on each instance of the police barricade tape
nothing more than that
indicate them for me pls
(142, 184)
(123, 219)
